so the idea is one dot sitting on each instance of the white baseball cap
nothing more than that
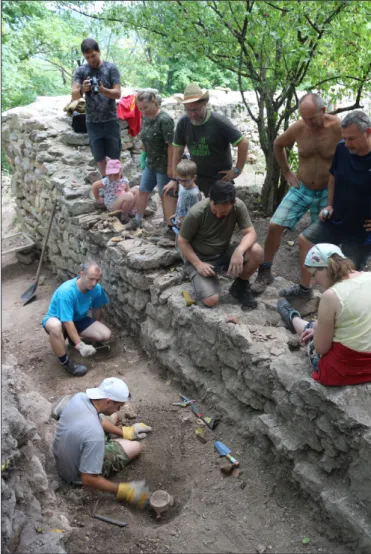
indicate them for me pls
(318, 255)
(113, 388)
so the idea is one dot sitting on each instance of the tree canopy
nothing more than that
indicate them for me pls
(275, 48)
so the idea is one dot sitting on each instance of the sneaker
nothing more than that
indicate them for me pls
(133, 225)
(287, 312)
(263, 279)
(295, 291)
(77, 370)
(124, 218)
(241, 290)
(168, 233)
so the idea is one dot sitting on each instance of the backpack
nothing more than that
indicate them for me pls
(79, 122)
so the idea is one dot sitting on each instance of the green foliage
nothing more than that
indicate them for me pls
(276, 47)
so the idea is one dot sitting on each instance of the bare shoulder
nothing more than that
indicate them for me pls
(291, 134)
(333, 121)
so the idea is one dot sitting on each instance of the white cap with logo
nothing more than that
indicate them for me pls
(318, 255)
(113, 388)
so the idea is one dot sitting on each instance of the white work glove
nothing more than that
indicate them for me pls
(136, 431)
(85, 349)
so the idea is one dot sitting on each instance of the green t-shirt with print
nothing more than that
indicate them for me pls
(209, 235)
(156, 134)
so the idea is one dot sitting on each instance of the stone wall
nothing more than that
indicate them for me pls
(251, 369)
(31, 521)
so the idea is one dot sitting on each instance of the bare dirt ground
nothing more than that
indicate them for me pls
(260, 511)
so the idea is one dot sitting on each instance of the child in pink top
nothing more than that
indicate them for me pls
(117, 193)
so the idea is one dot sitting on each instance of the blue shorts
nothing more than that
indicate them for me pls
(105, 140)
(80, 325)
(296, 203)
(150, 178)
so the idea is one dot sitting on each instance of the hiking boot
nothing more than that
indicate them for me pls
(287, 312)
(77, 370)
(133, 225)
(241, 290)
(263, 279)
(295, 291)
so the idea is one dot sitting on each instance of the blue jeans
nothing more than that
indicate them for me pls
(150, 178)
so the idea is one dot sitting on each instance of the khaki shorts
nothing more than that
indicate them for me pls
(208, 286)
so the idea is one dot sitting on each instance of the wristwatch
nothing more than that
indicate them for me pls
(236, 171)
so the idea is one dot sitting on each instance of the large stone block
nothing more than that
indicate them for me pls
(74, 139)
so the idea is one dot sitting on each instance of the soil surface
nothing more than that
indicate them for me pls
(258, 511)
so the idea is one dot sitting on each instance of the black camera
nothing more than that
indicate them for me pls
(94, 85)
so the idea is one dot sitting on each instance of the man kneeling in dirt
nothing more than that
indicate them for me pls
(205, 243)
(68, 316)
(83, 449)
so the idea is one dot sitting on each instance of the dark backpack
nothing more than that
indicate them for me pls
(79, 122)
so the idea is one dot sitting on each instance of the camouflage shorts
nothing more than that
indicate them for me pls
(115, 458)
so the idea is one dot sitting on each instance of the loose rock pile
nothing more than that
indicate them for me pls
(250, 367)
(30, 518)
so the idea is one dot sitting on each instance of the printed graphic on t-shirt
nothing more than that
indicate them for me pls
(200, 148)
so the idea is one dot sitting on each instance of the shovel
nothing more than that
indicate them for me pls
(30, 293)
(223, 450)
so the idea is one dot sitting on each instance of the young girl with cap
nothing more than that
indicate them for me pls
(117, 193)
(339, 342)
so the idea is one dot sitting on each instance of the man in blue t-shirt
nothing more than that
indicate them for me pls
(347, 218)
(68, 316)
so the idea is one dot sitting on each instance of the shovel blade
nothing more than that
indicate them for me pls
(29, 295)
(221, 448)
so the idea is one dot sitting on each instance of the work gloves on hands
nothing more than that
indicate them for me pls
(136, 431)
(135, 493)
(85, 349)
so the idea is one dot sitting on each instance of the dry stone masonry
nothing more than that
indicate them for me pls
(31, 521)
(250, 367)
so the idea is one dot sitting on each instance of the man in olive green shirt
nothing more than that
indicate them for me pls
(205, 243)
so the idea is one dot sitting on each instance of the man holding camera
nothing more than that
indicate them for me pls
(100, 82)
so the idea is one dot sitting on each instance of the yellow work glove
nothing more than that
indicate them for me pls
(135, 493)
(136, 431)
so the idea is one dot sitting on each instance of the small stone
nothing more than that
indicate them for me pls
(232, 319)
(227, 469)
(261, 548)
(243, 485)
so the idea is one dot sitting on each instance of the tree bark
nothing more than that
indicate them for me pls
(271, 192)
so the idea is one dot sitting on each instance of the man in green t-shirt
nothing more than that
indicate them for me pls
(205, 244)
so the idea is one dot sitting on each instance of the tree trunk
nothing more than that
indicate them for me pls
(271, 194)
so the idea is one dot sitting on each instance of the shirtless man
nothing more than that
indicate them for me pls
(316, 136)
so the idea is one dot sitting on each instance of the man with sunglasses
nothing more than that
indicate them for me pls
(346, 220)
(67, 316)
(208, 137)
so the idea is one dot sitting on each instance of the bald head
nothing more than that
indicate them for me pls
(312, 110)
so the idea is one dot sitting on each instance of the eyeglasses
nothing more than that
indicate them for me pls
(194, 110)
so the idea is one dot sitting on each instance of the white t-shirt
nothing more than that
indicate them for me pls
(78, 444)
(353, 323)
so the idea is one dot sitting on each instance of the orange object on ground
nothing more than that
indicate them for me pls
(127, 109)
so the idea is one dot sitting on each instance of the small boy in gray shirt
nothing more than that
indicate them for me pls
(189, 193)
